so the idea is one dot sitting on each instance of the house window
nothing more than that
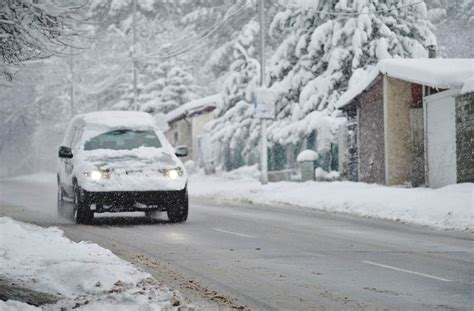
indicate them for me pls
(311, 141)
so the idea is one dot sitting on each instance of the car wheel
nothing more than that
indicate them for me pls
(60, 202)
(82, 213)
(179, 211)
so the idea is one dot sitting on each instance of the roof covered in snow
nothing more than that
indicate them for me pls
(468, 86)
(118, 119)
(440, 73)
(193, 107)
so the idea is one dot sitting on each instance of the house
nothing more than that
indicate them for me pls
(186, 126)
(411, 121)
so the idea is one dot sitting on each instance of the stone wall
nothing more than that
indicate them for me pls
(465, 138)
(398, 101)
(417, 177)
(371, 151)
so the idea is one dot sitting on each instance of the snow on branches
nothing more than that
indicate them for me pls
(328, 46)
(35, 29)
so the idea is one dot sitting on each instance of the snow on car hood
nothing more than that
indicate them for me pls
(130, 160)
(139, 169)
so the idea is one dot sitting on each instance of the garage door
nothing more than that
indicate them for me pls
(441, 138)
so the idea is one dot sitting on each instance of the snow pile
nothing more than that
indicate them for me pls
(12, 305)
(445, 208)
(82, 274)
(468, 86)
(242, 172)
(307, 155)
(322, 175)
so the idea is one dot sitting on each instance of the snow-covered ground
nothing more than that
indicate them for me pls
(450, 207)
(83, 275)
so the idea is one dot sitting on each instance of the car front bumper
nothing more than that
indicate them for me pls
(132, 201)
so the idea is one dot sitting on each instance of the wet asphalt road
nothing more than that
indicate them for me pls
(276, 258)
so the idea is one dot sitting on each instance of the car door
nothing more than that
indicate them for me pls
(63, 163)
(69, 163)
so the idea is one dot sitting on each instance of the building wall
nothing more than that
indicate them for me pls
(371, 135)
(417, 177)
(198, 123)
(180, 133)
(397, 131)
(440, 129)
(465, 138)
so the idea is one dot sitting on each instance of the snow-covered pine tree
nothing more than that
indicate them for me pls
(31, 30)
(223, 21)
(325, 53)
(234, 129)
(179, 89)
(159, 78)
(454, 20)
(441, 10)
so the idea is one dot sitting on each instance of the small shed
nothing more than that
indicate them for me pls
(186, 124)
(414, 122)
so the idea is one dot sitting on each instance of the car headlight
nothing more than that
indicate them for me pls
(173, 173)
(97, 175)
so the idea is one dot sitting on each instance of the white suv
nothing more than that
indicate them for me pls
(119, 161)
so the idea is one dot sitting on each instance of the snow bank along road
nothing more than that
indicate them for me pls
(40, 262)
(277, 258)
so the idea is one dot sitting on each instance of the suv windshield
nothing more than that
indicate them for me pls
(123, 140)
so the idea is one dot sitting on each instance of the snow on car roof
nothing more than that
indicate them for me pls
(441, 73)
(118, 119)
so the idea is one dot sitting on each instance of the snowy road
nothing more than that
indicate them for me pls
(277, 258)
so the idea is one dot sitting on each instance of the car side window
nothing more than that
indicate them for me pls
(69, 136)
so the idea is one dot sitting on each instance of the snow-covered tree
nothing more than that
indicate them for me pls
(440, 10)
(234, 127)
(325, 53)
(30, 30)
(454, 20)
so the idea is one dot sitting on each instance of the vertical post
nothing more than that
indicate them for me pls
(135, 90)
(71, 90)
(264, 151)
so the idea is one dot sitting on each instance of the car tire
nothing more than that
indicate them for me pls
(60, 202)
(82, 213)
(179, 212)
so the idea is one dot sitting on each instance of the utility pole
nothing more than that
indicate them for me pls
(264, 151)
(134, 59)
(71, 90)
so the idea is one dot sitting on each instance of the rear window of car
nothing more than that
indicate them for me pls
(123, 140)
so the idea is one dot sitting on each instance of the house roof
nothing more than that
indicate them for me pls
(193, 107)
(441, 73)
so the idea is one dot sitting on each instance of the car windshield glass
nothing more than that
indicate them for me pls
(123, 140)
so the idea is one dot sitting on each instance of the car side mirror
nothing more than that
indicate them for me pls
(181, 151)
(65, 152)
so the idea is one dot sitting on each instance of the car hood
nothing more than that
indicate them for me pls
(135, 160)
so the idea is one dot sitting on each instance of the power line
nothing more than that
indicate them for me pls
(206, 34)
(354, 14)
